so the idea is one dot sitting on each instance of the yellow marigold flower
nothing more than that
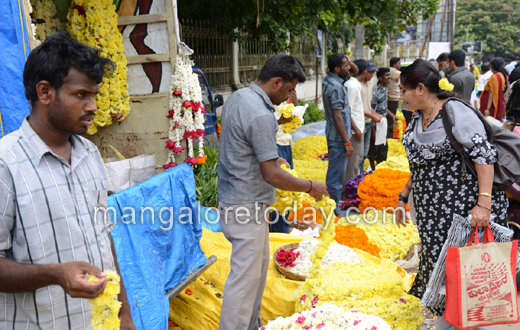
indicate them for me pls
(105, 307)
(445, 85)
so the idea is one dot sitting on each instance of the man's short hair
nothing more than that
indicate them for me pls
(507, 59)
(484, 68)
(517, 58)
(458, 56)
(394, 60)
(284, 66)
(53, 59)
(443, 57)
(362, 66)
(381, 72)
(335, 61)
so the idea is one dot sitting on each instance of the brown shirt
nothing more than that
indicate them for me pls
(394, 88)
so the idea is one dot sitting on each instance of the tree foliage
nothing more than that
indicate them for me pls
(250, 19)
(494, 22)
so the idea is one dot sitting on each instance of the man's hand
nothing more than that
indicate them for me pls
(71, 277)
(293, 97)
(395, 119)
(377, 118)
(358, 136)
(349, 150)
(487, 113)
(318, 190)
(284, 120)
(282, 161)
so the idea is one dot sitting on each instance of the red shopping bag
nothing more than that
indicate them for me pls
(480, 283)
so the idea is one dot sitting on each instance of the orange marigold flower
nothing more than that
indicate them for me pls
(355, 237)
(382, 188)
(188, 291)
(201, 160)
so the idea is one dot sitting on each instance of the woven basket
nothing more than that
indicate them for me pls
(283, 271)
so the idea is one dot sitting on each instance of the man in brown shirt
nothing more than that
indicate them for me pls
(394, 93)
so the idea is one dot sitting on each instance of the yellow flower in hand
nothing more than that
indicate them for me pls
(445, 85)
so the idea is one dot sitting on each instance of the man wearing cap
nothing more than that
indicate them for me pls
(370, 114)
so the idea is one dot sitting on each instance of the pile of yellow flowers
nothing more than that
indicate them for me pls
(395, 148)
(399, 163)
(305, 151)
(43, 18)
(287, 112)
(105, 307)
(394, 241)
(286, 199)
(94, 23)
(370, 289)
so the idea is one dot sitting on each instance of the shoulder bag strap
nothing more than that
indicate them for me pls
(467, 164)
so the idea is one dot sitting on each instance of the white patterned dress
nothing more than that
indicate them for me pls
(438, 188)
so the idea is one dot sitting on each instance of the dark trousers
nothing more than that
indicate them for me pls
(281, 226)
(392, 106)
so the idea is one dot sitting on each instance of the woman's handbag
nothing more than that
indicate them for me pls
(507, 168)
(480, 283)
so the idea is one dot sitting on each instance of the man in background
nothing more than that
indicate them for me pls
(510, 64)
(394, 93)
(442, 62)
(370, 115)
(462, 80)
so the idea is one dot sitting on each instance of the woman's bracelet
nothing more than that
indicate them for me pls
(403, 199)
(484, 207)
(485, 194)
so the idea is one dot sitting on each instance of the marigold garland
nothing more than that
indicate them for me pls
(94, 23)
(381, 189)
(105, 307)
(355, 237)
(43, 18)
(400, 126)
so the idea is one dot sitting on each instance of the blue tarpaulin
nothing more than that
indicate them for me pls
(154, 254)
(15, 49)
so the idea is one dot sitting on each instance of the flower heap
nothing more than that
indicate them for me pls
(328, 317)
(105, 307)
(364, 287)
(395, 148)
(335, 253)
(393, 241)
(186, 115)
(382, 188)
(399, 163)
(305, 151)
(295, 123)
(355, 237)
(285, 199)
(42, 17)
(350, 192)
(94, 23)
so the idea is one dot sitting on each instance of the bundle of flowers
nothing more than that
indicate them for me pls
(400, 126)
(382, 188)
(186, 115)
(399, 163)
(370, 289)
(395, 148)
(42, 17)
(393, 241)
(105, 307)
(94, 23)
(335, 253)
(287, 112)
(287, 258)
(328, 317)
(352, 186)
(287, 199)
(355, 237)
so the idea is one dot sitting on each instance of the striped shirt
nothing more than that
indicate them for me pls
(48, 216)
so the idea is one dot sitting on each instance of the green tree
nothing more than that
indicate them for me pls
(250, 19)
(495, 22)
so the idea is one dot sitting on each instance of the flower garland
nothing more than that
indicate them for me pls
(400, 126)
(393, 241)
(355, 237)
(43, 18)
(186, 115)
(295, 123)
(328, 317)
(285, 199)
(94, 23)
(445, 85)
(382, 188)
(105, 307)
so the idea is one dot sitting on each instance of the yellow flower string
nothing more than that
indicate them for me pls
(94, 23)
(285, 199)
(43, 18)
(105, 307)
(287, 112)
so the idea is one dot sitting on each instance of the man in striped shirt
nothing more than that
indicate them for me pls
(51, 181)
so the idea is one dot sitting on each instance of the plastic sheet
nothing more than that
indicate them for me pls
(314, 129)
(13, 36)
(154, 254)
(209, 219)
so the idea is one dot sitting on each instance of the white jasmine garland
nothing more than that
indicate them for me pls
(336, 253)
(328, 317)
(185, 119)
